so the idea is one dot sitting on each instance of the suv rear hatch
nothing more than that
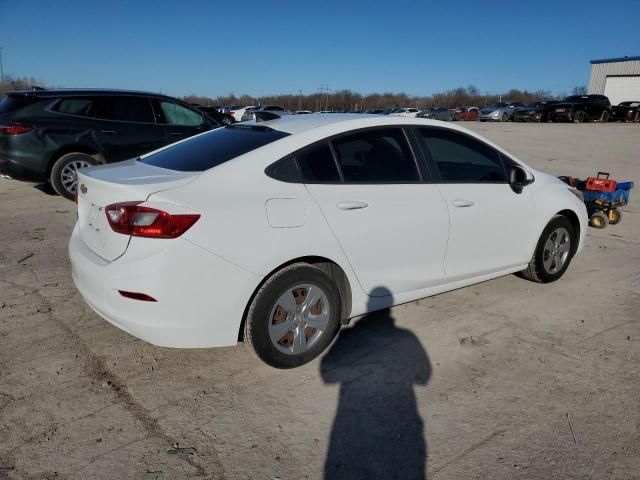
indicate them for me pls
(104, 185)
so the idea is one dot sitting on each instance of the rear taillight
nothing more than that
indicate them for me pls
(15, 129)
(129, 218)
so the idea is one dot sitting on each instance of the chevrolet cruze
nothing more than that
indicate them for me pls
(278, 230)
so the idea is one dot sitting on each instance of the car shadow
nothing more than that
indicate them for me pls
(377, 431)
(46, 188)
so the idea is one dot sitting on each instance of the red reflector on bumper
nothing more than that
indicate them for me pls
(137, 296)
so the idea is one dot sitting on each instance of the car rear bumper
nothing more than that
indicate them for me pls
(200, 297)
(10, 168)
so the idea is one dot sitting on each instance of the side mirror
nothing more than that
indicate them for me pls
(519, 178)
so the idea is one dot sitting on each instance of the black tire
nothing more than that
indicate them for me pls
(598, 220)
(505, 117)
(62, 172)
(604, 118)
(537, 271)
(637, 117)
(258, 321)
(579, 117)
(227, 120)
(614, 216)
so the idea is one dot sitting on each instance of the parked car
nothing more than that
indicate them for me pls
(405, 112)
(625, 112)
(213, 112)
(469, 114)
(376, 111)
(439, 113)
(248, 114)
(582, 108)
(534, 112)
(303, 112)
(47, 135)
(238, 113)
(281, 230)
(499, 112)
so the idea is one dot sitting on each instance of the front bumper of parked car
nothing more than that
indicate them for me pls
(495, 115)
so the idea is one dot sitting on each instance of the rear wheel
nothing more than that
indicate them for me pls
(598, 220)
(553, 253)
(614, 216)
(505, 117)
(579, 117)
(294, 316)
(64, 173)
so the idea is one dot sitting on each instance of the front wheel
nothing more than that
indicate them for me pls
(294, 316)
(553, 253)
(64, 173)
(604, 118)
(505, 117)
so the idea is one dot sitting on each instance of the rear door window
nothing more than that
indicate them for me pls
(317, 164)
(175, 114)
(75, 106)
(376, 156)
(124, 109)
(460, 158)
(214, 148)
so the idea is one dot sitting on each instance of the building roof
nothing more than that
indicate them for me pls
(615, 60)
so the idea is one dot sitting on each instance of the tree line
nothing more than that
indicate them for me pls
(345, 100)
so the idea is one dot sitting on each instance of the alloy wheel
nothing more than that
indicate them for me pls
(69, 174)
(556, 250)
(299, 318)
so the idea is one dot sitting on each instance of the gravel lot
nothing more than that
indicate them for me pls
(503, 380)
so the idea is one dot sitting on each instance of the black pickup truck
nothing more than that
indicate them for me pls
(582, 108)
(626, 112)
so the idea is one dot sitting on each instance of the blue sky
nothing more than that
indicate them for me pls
(268, 47)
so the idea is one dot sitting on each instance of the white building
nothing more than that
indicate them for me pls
(617, 78)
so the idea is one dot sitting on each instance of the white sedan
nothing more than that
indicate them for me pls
(278, 230)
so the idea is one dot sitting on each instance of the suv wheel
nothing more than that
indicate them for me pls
(505, 117)
(579, 117)
(64, 176)
(604, 118)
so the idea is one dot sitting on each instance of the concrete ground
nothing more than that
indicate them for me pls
(503, 380)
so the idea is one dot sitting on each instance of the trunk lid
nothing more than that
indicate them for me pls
(120, 182)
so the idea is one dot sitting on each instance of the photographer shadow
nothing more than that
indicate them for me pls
(377, 431)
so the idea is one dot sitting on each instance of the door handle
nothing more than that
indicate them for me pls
(463, 203)
(352, 205)
(110, 132)
(177, 133)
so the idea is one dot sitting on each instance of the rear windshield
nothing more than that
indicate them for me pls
(214, 148)
(14, 102)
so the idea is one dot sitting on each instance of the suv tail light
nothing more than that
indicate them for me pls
(15, 129)
(129, 218)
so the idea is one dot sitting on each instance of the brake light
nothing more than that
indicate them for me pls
(15, 129)
(129, 218)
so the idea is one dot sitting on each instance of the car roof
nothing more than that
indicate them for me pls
(294, 124)
(83, 91)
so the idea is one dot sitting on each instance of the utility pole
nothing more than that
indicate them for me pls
(1, 67)
(300, 99)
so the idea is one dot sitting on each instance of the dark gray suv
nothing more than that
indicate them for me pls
(47, 135)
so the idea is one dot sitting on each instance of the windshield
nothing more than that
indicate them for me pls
(214, 148)
(498, 105)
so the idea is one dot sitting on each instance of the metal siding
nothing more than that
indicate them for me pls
(600, 71)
